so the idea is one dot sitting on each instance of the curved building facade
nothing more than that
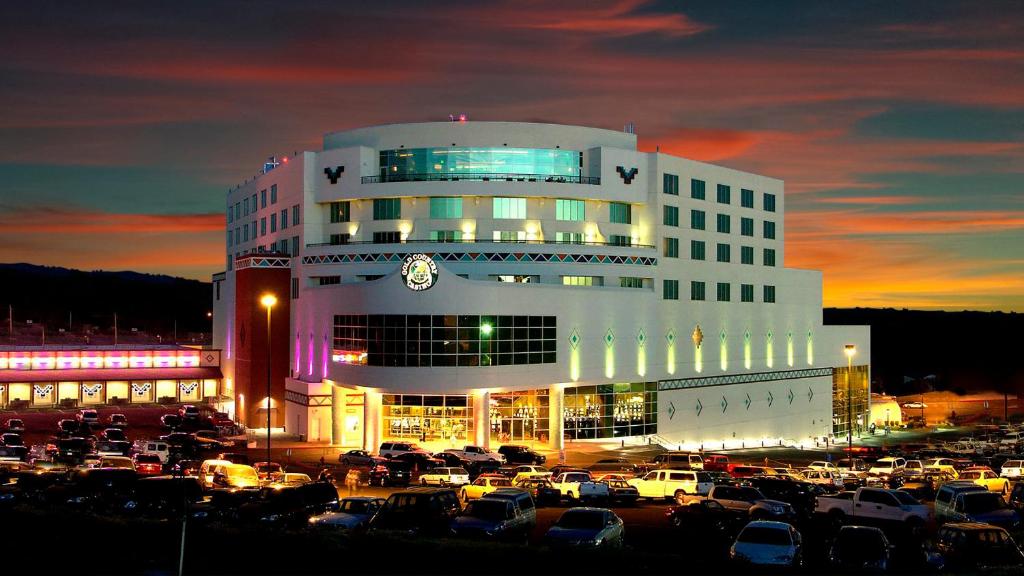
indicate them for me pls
(493, 282)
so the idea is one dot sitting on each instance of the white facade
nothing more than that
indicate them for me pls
(723, 370)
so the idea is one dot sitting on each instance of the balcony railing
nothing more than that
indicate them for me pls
(477, 177)
(548, 242)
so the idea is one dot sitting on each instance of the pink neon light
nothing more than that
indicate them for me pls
(115, 359)
(3, 360)
(91, 360)
(298, 354)
(68, 360)
(188, 359)
(20, 361)
(309, 369)
(323, 367)
(164, 360)
(44, 360)
(140, 360)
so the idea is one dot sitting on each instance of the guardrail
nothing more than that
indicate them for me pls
(483, 241)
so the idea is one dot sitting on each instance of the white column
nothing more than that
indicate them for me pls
(556, 422)
(482, 418)
(338, 415)
(371, 420)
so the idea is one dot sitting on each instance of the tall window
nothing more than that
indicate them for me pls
(253, 202)
(231, 215)
(245, 205)
(263, 198)
(509, 236)
(295, 247)
(569, 237)
(670, 289)
(284, 219)
(723, 291)
(724, 253)
(340, 212)
(746, 255)
(724, 194)
(445, 208)
(769, 229)
(273, 222)
(295, 215)
(769, 257)
(340, 239)
(697, 189)
(446, 235)
(746, 198)
(570, 210)
(620, 213)
(245, 233)
(387, 237)
(671, 216)
(747, 226)
(769, 202)
(697, 290)
(724, 223)
(273, 193)
(697, 250)
(672, 247)
(697, 218)
(632, 282)
(231, 237)
(387, 208)
(509, 208)
(746, 292)
(769, 294)
(670, 184)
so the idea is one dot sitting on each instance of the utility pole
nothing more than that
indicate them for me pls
(10, 321)
(115, 328)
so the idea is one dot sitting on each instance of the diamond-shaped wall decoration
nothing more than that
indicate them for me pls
(641, 338)
(609, 337)
(574, 339)
(791, 396)
(747, 401)
(746, 337)
(810, 394)
(771, 398)
(671, 337)
(700, 407)
(725, 404)
(770, 337)
(722, 336)
(697, 336)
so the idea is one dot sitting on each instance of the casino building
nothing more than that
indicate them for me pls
(505, 282)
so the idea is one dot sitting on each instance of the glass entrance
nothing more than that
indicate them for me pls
(427, 417)
(519, 416)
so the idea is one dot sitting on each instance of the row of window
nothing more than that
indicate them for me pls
(698, 291)
(258, 228)
(249, 204)
(395, 237)
(284, 246)
(670, 185)
(670, 249)
(723, 223)
(442, 208)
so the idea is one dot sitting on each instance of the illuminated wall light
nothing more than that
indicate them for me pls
(769, 349)
(641, 361)
(353, 228)
(574, 365)
(698, 358)
(163, 360)
(789, 349)
(746, 350)
(810, 348)
(309, 367)
(3, 361)
(670, 361)
(324, 356)
(43, 361)
(609, 362)
(140, 360)
(298, 353)
(227, 338)
(188, 359)
(723, 351)
(405, 229)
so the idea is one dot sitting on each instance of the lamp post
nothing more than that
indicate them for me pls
(268, 301)
(849, 350)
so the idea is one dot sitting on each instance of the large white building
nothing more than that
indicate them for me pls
(505, 282)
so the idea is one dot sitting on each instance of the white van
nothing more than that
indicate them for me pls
(158, 447)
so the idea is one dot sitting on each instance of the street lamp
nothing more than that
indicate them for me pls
(268, 301)
(849, 350)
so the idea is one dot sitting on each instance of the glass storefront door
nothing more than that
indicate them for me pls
(427, 417)
(519, 416)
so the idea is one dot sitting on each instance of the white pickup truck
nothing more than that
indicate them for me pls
(874, 506)
(672, 484)
(476, 454)
(580, 486)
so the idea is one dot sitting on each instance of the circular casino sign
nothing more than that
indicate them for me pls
(419, 272)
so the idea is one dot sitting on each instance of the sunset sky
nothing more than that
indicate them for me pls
(898, 127)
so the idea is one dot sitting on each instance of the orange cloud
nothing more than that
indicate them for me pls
(703, 144)
(56, 221)
(618, 19)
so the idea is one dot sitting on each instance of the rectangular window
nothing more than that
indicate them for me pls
(295, 215)
(746, 198)
(231, 215)
(230, 239)
(263, 226)
(746, 292)
(671, 216)
(769, 202)
(238, 236)
(697, 250)
(583, 280)
(746, 255)
(697, 290)
(295, 246)
(724, 289)
(670, 184)
(387, 237)
(327, 280)
(769, 229)
(747, 226)
(570, 210)
(446, 235)
(386, 209)
(670, 289)
(445, 208)
(619, 240)
(569, 237)
(697, 189)
(724, 253)
(273, 222)
(509, 236)
(671, 248)
(295, 288)
(263, 198)
(633, 282)
(697, 220)
(509, 208)
(769, 294)
(273, 194)
(245, 206)
(724, 194)
(620, 213)
(253, 202)
(340, 239)
(245, 233)
(769, 257)
(238, 210)
(340, 212)
(515, 279)
(724, 223)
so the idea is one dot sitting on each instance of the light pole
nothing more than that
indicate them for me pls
(850, 350)
(268, 301)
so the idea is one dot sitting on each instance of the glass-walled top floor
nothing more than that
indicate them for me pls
(403, 164)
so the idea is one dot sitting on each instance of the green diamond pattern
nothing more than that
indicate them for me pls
(641, 338)
(722, 336)
(574, 339)
(746, 337)
(609, 337)
(770, 336)
(671, 337)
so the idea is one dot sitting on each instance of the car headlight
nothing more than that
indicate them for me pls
(597, 541)
(271, 518)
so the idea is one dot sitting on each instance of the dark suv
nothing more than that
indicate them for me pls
(520, 455)
(419, 511)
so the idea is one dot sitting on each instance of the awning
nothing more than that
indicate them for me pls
(109, 374)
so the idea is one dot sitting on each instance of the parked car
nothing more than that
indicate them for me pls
(620, 492)
(599, 470)
(859, 549)
(946, 495)
(515, 454)
(476, 453)
(678, 461)
(392, 449)
(159, 448)
(1012, 469)
(222, 420)
(189, 412)
(521, 499)
(716, 463)
(452, 460)
(117, 420)
(268, 471)
(981, 506)
(580, 486)
(491, 518)
(225, 474)
(165, 497)
(530, 471)
(445, 477)
(541, 489)
(417, 511)
(825, 478)
(706, 520)
(477, 469)
(483, 485)
(116, 462)
(987, 478)
(89, 416)
(114, 434)
(973, 547)
(874, 506)
(419, 462)
(766, 543)
(15, 425)
(822, 465)
(170, 421)
(748, 471)
(720, 477)
(586, 528)
(148, 465)
(672, 484)
(751, 502)
(358, 458)
(113, 448)
(11, 439)
(944, 465)
(390, 473)
(234, 457)
(802, 496)
(67, 426)
(353, 513)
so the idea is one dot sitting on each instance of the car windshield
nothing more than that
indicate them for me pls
(749, 494)
(242, 472)
(982, 502)
(581, 519)
(355, 506)
(905, 499)
(485, 509)
(704, 477)
(933, 462)
(764, 535)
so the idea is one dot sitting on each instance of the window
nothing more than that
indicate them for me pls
(620, 213)
(295, 288)
(273, 194)
(696, 290)
(231, 215)
(238, 210)
(671, 248)
(245, 233)
(340, 212)
(724, 223)
(245, 205)
(263, 226)
(509, 208)
(769, 294)
(509, 236)
(295, 215)
(697, 189)
(583, 280)
(273, 222)
(263, 198)
(746, 255)
(569, 237)
(570, 210)
(295, 246)
(445, 208)
(769, 229)
(746, 292)
(769, 257)
(253, 202)
(769, 202)
(723, 291)
(670, 184)
(238, 236)
(724, 194)
(284, 219)
(747, 226)
(515, 279)
(671, 216)
(340, 239)
(633, 282)
(697, 220)
(446, 235)
(386, 209)
(670, 290)
(746, 198)
(327, 280)
(724, 253)
(230, 238)
(387, 237)
(697, 250)
(619, 240)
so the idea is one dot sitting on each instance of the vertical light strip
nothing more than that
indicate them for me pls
(810, 348)
(309, 368)
(769, 358)
(574, 364)
(746, 350)
(723, 351)
(609, 362)
(670, 360)
(789, 349)
(323, 359)
(298, 354)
